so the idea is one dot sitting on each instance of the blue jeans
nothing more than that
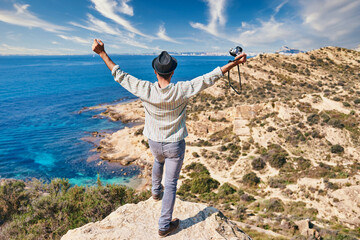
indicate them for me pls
(170, 154)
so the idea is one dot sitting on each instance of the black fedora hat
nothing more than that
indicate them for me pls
(164, 63)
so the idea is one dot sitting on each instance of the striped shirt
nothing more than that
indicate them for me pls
(165, 108)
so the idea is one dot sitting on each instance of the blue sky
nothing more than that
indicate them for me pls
(139, 26)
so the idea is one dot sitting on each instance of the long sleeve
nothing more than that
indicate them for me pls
(139, 88)
(190, 88)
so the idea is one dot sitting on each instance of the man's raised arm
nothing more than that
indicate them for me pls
(136, 86)
(190, 88)
(239, 59)
(98, 47)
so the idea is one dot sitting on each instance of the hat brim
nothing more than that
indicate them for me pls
(173, 66)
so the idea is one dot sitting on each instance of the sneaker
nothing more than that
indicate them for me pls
(174, 224)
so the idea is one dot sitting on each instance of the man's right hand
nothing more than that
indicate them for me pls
(98, 46)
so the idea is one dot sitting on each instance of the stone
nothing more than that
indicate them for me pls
(305, 229)
(140, 221)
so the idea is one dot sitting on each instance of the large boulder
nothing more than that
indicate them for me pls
(140, 221)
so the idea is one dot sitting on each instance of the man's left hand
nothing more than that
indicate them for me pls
(240, 58)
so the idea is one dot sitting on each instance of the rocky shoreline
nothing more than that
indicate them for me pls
(126, 146)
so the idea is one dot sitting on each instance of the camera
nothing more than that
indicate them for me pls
(235, 51)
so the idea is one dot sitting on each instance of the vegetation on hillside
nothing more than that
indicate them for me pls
(306, 133)
(36, 210)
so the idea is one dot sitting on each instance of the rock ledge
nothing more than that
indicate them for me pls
(140, 221)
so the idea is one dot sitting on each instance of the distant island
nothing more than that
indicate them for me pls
(288, 51)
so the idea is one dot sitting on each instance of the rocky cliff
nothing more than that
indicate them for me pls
(140, 221)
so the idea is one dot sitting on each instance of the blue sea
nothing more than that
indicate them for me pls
(41, 129)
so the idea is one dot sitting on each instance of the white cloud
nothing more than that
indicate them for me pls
(118, 42)
(314, 24)
(134, 43)
(277, 9)
(264, 33)
(76, 39)
(162, 35)
(109, 8)
(267, 33)
(334, 19)
(125, 8)
(22, 17)
(97, 25)
(217, 17)
(16, 50)
(13, 36)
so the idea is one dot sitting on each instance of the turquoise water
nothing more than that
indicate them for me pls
(40, 127)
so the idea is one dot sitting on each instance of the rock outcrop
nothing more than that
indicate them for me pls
(140, 221)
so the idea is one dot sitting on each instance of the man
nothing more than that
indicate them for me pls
(165, 115)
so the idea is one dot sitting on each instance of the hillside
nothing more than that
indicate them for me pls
(284, 150)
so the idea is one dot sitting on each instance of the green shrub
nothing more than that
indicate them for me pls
(184, 188)
(313, 118)
(240, 213)
(316, 134)
(346, 104)
(196, 169)
(258, 164)
(325, 117)
(146, 143)
(276, 156)
(34, 215)
(277, 160)
(222, 135)
(273, 205)
(139, 132)
(357, 101)
(203, 184)
(195, 154)
(246, 146)
(337, 123)
(247, 198)
(277, 182)
(302, 163)
(226, 189)
(321, 171)
(208, 197)
(298, 209)
(270, 129)
(331, 185)
(337, 148)
(12, 197)
(251, 179)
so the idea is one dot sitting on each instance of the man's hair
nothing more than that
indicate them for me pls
(166, 76)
